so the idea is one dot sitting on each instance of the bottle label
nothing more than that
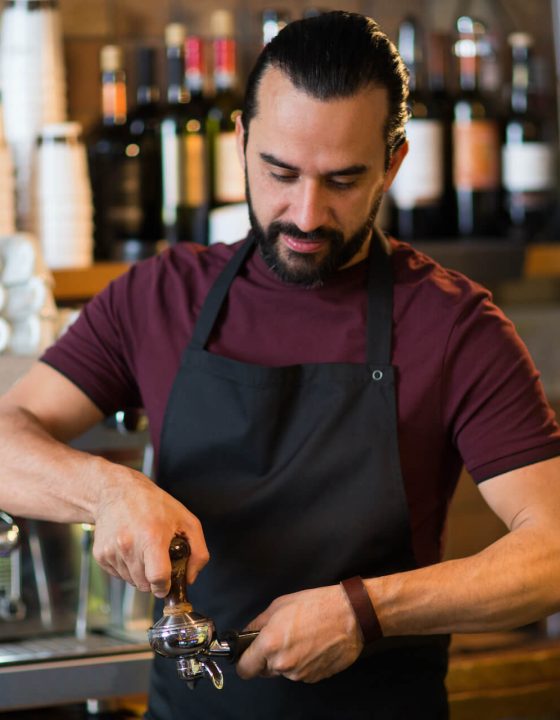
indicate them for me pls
(528, 167)
(184, 171)
(193, 184)
(113, 100)
(229, 178)
(476, 155)
(420, 180)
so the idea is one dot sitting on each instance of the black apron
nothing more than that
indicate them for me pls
(295, 475)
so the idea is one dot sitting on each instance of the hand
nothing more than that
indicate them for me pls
(306, 636)
(135, 521)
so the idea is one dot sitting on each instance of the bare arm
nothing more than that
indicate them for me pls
(44, 478)
(516, 580)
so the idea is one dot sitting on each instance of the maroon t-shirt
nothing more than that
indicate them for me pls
(467, 390)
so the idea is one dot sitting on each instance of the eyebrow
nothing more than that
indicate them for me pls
(358, 169)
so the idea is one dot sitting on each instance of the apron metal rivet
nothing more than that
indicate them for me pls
(377, 375)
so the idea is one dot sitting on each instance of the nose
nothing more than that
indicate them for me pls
(310, 206)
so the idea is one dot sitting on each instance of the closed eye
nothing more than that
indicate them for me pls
(342, 183)
(284, 177)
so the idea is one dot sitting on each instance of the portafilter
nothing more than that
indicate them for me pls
(188, 637)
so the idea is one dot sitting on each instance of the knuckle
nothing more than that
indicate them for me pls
(125, 544)
(285, 666)
(270, 646)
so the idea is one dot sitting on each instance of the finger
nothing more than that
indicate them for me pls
(157, 569)
(253, 662)
(199, 556)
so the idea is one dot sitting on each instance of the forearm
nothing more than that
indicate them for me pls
(514, 581)
(43, 478)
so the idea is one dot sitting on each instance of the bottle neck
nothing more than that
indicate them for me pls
(194, 65)
(225, 63)
(177, 93)
(113, 98)
(468, 72)
(520, 81)
(147, 95)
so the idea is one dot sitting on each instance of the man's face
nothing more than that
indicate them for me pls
(315, 174)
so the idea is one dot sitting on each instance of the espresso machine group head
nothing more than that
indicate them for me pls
(188, 637)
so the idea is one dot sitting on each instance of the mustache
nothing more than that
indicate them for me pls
(316, 235)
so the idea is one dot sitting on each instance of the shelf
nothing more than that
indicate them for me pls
(80, 284)
(542, 260)
(486, 262)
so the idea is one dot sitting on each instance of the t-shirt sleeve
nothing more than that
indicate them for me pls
(494, 401)
(97, 352)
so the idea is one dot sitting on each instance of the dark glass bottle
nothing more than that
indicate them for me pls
(418, 191)
(476, 142)
(144, 127)
(114, 165)
(228, 181)
(184, 150)
(528, 156)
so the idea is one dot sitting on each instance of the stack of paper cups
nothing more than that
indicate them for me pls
(33, 85)
(64, 197)
(29, 317)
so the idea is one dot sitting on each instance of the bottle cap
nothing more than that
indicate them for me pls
(520, 40)
(222, 24)
(175, 34)
(111, 58)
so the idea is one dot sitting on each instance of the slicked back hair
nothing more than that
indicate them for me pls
(333, 56)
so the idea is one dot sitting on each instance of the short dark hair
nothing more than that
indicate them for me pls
(335, 55)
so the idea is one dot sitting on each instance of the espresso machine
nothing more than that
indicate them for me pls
(69, 632)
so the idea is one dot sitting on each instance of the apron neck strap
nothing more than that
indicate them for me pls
(380, 303)
(380, 300)
(217, 295)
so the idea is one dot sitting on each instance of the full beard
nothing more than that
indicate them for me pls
(302, 269)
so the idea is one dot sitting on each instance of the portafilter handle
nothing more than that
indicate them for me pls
(176, 600)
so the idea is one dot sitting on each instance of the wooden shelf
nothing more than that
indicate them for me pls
(542, 260)
(80, 284)
(539, 261)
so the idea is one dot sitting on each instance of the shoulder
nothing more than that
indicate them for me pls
(186, 265)
(417, 272)
(437, 298)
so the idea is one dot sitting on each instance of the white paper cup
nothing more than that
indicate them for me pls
(26, 299)
(19, 255)
(32, 336)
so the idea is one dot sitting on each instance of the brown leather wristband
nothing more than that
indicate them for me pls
(363, 609)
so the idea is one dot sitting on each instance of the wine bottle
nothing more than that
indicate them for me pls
(476, 141)
(184, 150)
(144, 126)
(528, 156)
(418, 189)
(228, 181)
(114, 163)
(272, 21)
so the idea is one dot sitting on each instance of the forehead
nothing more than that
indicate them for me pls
(290, 117)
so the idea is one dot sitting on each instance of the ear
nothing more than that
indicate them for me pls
(240, 139)
(396, 160)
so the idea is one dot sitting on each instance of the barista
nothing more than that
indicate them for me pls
(313, 392)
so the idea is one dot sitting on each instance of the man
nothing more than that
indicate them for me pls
(311, 403)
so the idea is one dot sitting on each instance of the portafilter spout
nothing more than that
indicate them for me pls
(188, 637)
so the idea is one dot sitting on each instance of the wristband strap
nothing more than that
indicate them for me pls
(363, 609)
